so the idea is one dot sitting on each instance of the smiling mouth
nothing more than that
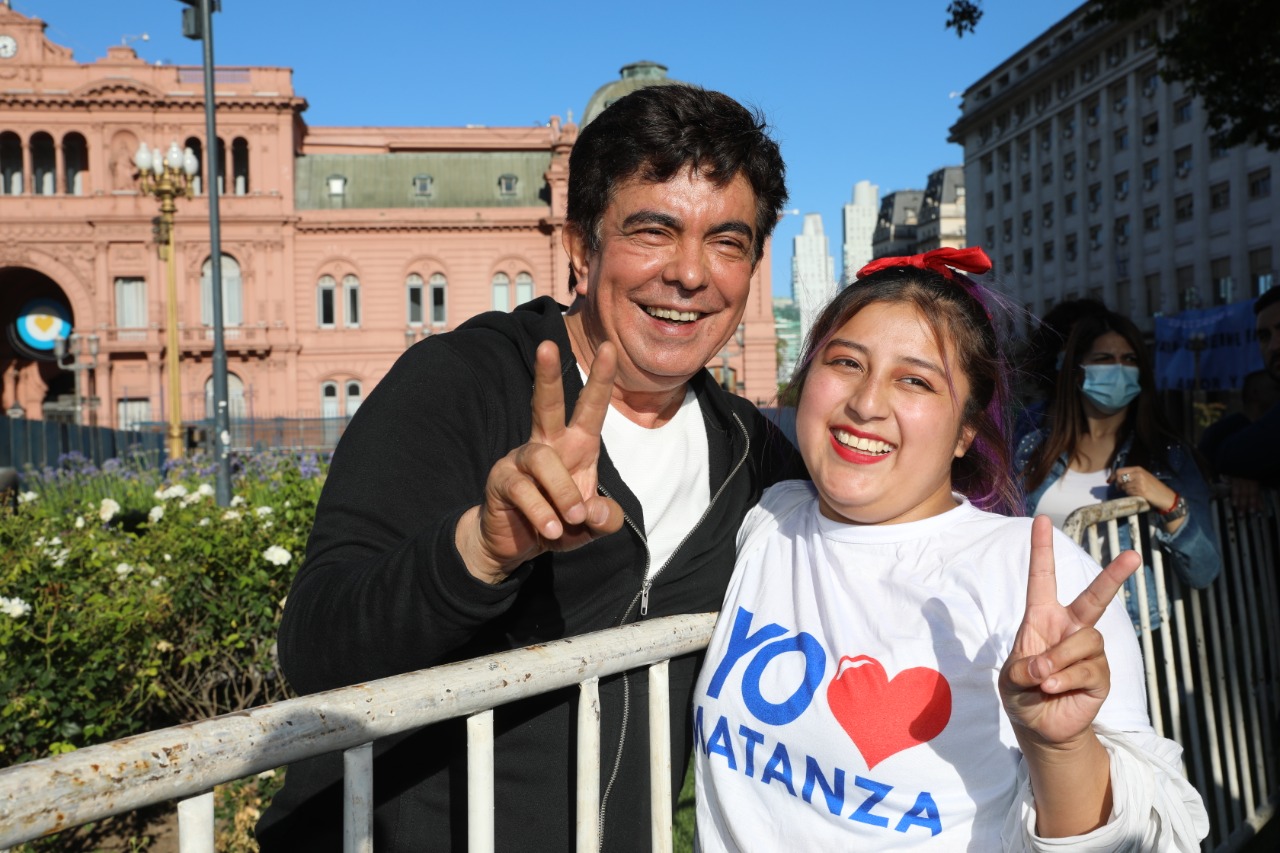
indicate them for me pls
(673, 316)
(870, 446)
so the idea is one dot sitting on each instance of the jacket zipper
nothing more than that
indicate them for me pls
(643, 597)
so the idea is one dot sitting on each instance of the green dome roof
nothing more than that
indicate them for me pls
(635, 76)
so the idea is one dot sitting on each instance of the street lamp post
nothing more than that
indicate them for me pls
(166, 175)
(73, 348)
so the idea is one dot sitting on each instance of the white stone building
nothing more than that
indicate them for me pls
(813, 273)
(1089, 175)
(859, 226)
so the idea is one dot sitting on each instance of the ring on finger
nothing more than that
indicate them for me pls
(1125, 478)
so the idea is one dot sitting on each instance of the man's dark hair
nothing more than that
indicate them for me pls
(656, 132)
(1266, 300)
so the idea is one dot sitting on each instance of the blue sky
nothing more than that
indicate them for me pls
(855, 89)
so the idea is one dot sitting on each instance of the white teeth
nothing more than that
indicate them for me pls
(866, 445)
(669, 314)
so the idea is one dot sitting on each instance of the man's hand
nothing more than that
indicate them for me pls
(542, 495)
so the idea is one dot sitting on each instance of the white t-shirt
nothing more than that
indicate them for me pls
(1071, 491)
(667, 470)
(849, 697)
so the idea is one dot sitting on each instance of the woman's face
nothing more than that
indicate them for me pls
(1111, 348)
(878, 423)
(1109, 376)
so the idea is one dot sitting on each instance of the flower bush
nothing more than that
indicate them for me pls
(130, 601)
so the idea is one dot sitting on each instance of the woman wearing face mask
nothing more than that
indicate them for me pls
(1106, 438)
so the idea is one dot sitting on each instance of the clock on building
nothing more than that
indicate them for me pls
(8, 47)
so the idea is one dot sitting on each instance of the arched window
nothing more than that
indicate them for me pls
(501, 292)
(353, 397)
(44, 167)
(439, 315)
(351, 301)
(326, 302)
(330, 413)
(232, 298)
(197, 180)
(524, 288)
(222, 166)
(235, 398)
(240, 164)
(75, 162)
(414, 299)
(10, 163)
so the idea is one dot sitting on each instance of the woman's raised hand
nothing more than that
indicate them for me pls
(1057, 674)
(542, 495)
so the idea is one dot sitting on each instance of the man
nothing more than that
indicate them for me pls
(1250, 457)
(462, 517)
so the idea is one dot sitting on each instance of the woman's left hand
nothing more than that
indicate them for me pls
(1137, 482)
(1057, 674)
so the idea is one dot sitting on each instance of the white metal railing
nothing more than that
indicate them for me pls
(185, 762)
(1212, 669)
(1213, 664)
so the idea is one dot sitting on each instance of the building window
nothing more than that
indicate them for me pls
(1183, 208)
(1092, 109)
(10, 163)
(1003, 155)
(1145, 37)
(132, 412)
(1122, 230)
(1069, 203)
(1095, 237)
(1218, 146)
(354, 396)
(1008, 264)
(232, 297)
(524, 288)
(1047, 211)
(1024, 184)
(1026, 223)
(43, 164)
(1220, 278)
(422, 185)
(507, 184)
(1006, 192)
(1260, 183)
(413, 299)
(240, 164)
(1069, 167)
(439, 315)
(1183, 161)
(1150, 174)
(991, 236)
(1151, 218)
(1150, 129)
(1024, 149)
(1094, 154)
(351, 301)
(1182, 111)
(1028, 262)
(1121, 140)
(131, 303)
(329, 404)
(1089, 69)
(1151, 292)
(1188, 293)
(1118, 95)
(337, 186)
(1149, 77)
(236, 408)
(1220, 196)
(989, 199)
(988, 165)
(75, 163)
(326, 302)
(1070, 249)
(1008, 231)
(1048, 252)
(501, 292)
(1095, 197)
(1122, 185)
(1046, 173)
(1067, 124)
(1116, 53)
(1262, 276)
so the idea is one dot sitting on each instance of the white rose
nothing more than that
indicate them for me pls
(79, 522)
(230, 515)
(238, 501)
(123, 569)
(277, 556)
(108, 509)
(27, 497)
(205, 490)
(15, 607)
(263, 510)
(156, 513)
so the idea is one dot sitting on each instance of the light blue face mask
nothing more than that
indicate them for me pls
(1111, 387)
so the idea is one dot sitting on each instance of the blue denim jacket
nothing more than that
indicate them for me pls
(1190, 551)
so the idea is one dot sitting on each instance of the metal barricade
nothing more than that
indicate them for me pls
(185, 762)
(1213, 664)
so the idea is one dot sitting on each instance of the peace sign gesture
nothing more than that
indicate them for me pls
(1052, 685)
(542, 495)
(1057, 673)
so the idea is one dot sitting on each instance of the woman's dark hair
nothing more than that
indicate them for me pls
(656, 132)
(1045, 344)
(956, 310)
(1067, 424)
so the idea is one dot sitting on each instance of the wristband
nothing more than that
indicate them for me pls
(1177, 498)
(1177, 511)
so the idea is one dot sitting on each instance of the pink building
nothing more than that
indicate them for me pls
(341, 246)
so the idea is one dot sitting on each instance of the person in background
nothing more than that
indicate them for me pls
(1250, 456)
(1106, 438)
(1258, 393)
(543, 473)
(1042, 359)
(893, 667)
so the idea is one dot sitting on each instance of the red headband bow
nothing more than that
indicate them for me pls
(972, 259)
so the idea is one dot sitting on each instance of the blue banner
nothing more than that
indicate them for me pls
(1228, 339)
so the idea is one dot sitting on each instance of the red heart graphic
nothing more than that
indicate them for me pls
(884, 717)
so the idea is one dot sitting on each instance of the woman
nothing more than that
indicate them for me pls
(1106, 438)
(892, 669)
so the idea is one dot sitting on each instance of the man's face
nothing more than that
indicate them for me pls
(670, 281)
(1268, 323)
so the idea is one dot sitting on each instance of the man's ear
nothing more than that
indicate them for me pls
(967, 434)
(575, 246)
